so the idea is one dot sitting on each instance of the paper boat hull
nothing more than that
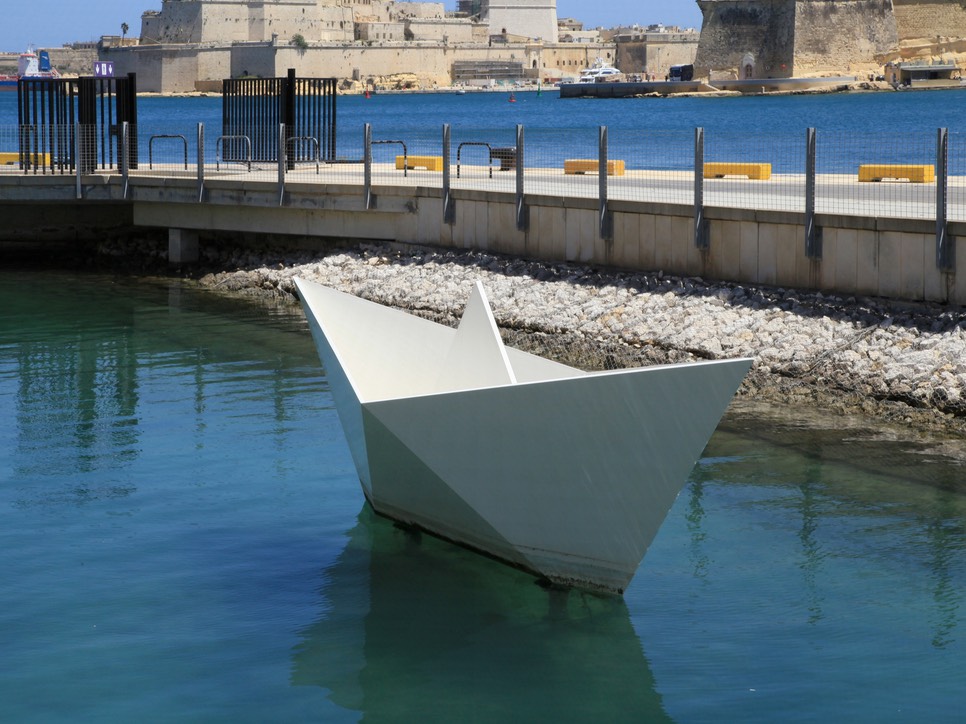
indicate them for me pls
(566, 474)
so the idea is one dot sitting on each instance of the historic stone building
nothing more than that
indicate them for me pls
(194, 44)
(789, 38)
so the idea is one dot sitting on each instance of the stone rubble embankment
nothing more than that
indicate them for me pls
(904, 362)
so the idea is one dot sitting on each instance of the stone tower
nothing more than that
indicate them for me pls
(788, 38)
(530, 18)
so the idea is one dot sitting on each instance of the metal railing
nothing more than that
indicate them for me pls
(920, 176)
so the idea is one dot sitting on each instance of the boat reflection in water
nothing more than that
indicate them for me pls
(414, 627)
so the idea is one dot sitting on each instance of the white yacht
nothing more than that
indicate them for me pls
(599, 71)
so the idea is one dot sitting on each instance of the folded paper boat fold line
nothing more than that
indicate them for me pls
(565, 473)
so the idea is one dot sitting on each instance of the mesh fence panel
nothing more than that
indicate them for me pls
(881, 174)
(658, 165)
(956, 169)
(651, 165)
(547, 149)
(755, 171)
(484, 158)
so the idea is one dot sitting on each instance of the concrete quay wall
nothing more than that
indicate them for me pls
(891, 258)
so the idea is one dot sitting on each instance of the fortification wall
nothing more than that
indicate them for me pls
(230, 21)
(73, 61)
(733, 31)
(835, 36)
(178, 22)
(529, 18)
(655, 56)
(927, 19)
(180, 69)
(566, 60)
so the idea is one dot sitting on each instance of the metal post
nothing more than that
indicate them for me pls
(201, 162)
(79, 166)
(813, 234)
(700, 228)
(125, 160)
(523, 221)
(289, 120)
(449, 211)
(367, 163)
(281, 163)
(945, 259)
(605, 225)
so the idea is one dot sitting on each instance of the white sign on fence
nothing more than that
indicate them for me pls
(103, 69)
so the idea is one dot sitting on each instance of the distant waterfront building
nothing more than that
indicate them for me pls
(192, 45)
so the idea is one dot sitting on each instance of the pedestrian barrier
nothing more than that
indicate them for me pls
(430, 163)
(754, 171)
(592, 165)
(915, 173)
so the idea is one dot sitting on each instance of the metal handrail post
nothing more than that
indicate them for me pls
(813, 234)
(944, 244)
(125, 161)
(79, 165)
(281, 164)
(367, 165)
(449, 212)
(605, 226)
(700, 228)
(201, 162)
(522, 216)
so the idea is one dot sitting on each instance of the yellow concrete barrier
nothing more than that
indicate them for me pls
(754, 171)
(430, 163)
(592, 165)
(916, 173)
(10, 158)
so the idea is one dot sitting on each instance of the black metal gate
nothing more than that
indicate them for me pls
(59, 118)
(254, 108)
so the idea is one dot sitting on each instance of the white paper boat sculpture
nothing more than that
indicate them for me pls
(565, 473)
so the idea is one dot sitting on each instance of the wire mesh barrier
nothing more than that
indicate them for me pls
(956, 177)
(899, 175)
(758, 171)
(885, 174)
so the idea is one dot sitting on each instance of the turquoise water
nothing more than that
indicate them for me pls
(182, 537)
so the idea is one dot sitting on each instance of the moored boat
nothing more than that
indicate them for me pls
(561, 472)
(599, 72)
(29, 65)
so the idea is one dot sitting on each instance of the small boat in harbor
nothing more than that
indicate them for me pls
(564, 473)
(29, 65)
(599, 72)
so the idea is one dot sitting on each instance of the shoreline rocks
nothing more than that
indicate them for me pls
(899, 362)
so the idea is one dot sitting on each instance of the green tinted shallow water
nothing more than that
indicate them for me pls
(182, 537)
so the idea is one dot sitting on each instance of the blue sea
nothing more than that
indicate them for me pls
(651, 132)
(183, 537)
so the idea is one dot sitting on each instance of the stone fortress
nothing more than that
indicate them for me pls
(191, 45)
(798, 38)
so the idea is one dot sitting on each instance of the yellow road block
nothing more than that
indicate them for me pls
(430, 163)
(916, 173)
(8, 158)
(592, 165)
(754, 171)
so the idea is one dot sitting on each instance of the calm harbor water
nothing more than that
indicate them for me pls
(183, 538)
